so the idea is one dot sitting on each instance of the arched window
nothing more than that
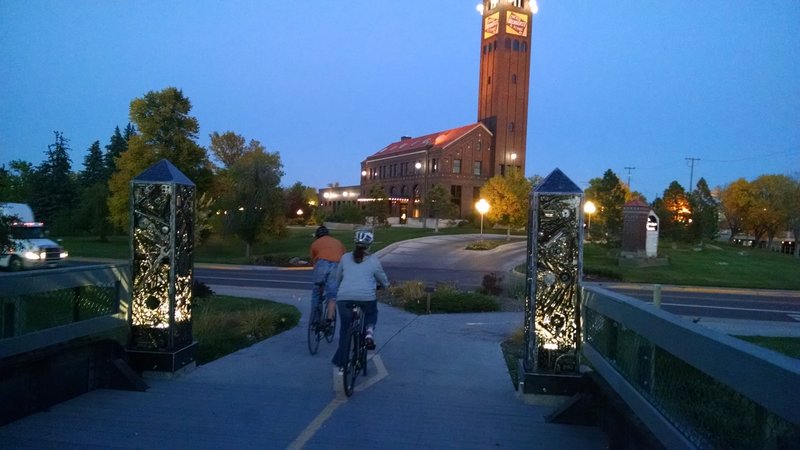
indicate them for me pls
(524, 46)
(516, 45)
(514, 79)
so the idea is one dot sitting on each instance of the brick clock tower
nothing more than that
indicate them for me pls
(505, 78)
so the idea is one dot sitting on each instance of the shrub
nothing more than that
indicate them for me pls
(491, 284)
(452, 301)
(200, 289)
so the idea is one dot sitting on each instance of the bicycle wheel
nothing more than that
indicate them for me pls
(332, 331)
(351, 368)
(313, 330)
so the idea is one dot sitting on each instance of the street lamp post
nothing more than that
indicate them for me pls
(589, 209)
(483, 207)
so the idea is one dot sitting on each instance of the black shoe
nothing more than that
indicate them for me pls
(370, 343)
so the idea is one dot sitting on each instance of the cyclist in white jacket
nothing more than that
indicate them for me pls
(358, 273)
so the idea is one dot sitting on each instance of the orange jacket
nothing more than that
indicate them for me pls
(327, 248)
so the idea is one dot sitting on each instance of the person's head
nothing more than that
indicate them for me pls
(321, 231)
(363, 238)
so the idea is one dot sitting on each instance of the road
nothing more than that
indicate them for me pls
(444, 259)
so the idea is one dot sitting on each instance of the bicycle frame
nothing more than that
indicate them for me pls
(356, 350)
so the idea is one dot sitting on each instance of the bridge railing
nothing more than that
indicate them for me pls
(42, 308)
(690, 385)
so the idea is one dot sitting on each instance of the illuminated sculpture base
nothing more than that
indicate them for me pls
(162, 361)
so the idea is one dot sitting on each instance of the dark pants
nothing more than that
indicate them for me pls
(345, 318)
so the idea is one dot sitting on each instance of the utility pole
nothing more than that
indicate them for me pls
(691, 172)
(629, 176)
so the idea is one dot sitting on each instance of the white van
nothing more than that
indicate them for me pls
(29, 248)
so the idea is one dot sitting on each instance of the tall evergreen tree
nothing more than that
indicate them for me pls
(94, 167)
(117, 145)
(705, 213)
(54, 194)
(92, 212)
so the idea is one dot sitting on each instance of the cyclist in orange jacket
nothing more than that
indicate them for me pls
(326, 252)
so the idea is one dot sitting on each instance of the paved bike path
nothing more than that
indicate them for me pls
(438, 381)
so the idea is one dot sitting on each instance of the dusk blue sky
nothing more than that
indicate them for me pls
(614, 84)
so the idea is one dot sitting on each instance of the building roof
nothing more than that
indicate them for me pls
(439, 139)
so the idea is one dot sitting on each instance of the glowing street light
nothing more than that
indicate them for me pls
(483, 207)
(589, 209)
(300, 213)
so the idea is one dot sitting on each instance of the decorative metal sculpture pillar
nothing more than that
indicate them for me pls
(162, 246)
(552, 300)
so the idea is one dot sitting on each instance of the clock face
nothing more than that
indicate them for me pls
(491, 25)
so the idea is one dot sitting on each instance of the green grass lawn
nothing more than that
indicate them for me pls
(720, 265)
(230, 250)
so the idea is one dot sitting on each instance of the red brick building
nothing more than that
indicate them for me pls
(462, 159)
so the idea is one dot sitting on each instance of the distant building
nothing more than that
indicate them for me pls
(462, 159)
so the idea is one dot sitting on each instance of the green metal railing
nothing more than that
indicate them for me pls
(47, 307)
(692, 386)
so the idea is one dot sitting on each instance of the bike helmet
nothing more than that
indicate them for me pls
(321, 231)
(363, 238)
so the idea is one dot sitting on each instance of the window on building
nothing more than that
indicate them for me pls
(514, 79)
(476, 168)
(516, 45)
(434, 165)
(490, 80)
(476, 193)
(456, 166)
(455, 194)
(524, 46)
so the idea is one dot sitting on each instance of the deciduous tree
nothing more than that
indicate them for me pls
(609, 195)
(508, 197)
(439, 204)
(253, 201)
(674, 212)
(735, 204)
(166, 131)
(377, 210)
(771, 210)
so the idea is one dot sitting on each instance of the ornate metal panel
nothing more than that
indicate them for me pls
(552, 302)
(162, 219)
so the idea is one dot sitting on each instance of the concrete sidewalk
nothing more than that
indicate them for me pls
(435, 381)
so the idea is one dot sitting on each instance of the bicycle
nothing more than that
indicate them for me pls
(356, 349)
(317, 327)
